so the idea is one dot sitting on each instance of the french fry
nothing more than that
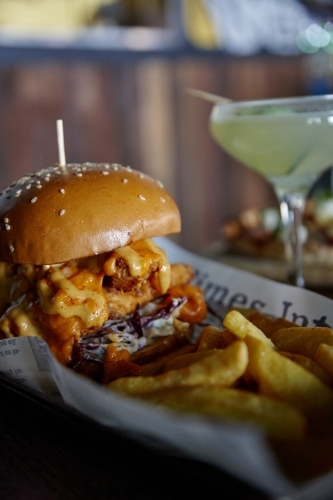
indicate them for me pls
(210, 338)
(245, 311)
(279, 377)
(257, 370)
(187, 359)
(302, 340)
(312, 366)
(269, 325)
(237, 324)
(278, 419)
(117, 364)
(223, 368)
(228, 337)
(160, 347)
(158, 366)
(324, 357)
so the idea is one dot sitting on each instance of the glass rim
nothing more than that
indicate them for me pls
(274, 101)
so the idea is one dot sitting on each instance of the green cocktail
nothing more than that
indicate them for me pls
(288, 141)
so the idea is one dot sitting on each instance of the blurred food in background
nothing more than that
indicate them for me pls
(199, 25)
(258, 233)
(253, 232)
(147, 13)
(245, 27)
(28, 14)
(42, 14)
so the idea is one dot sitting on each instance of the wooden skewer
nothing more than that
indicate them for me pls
(207, 96)
(61, 143)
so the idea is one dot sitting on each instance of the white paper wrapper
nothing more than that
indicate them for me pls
(238, 449)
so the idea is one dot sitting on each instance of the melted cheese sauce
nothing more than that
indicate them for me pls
(19, 320)
(140, 257)
(69, 300)
(72, 289)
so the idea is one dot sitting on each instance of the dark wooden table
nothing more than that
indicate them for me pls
(50, 452)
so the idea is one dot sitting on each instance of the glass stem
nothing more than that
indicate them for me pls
(292, 209)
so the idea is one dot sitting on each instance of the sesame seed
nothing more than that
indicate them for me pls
(141, 175)
(62, 212)
(79, 174)
(6, 219)
(105, 172)
(47, 178)
(17, 194)
(162, 199)
(7, 226)
(11, 248)
(33, 200)
(124, 181)
(62, 191)
(28, 186)
(142, 197)
(159, 183)
(128, 168)
(23, 180)
(39, 186)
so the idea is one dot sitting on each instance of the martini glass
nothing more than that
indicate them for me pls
(290, 142)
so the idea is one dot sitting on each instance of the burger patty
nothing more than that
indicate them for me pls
(124, 293)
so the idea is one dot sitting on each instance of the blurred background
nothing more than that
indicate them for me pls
(117, 71)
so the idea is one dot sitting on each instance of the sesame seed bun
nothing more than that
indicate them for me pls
(65, 213)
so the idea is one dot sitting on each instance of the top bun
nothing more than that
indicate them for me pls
(65, 213)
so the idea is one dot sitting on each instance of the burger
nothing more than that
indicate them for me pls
(79, 267)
